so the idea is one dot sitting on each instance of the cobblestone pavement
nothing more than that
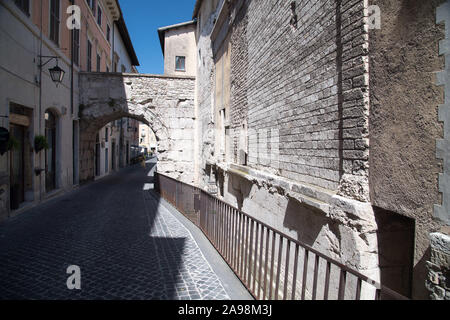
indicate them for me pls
(126, 243)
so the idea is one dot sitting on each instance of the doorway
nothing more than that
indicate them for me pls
(17, 166)
(50, 154)
(396, 237)
(97, 155)
(113, 156)
(106, 161)
(128, 153)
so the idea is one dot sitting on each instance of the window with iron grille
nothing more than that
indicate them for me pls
(76, 46)
(54, 21)
(99, 16)
(24, 5)
(89, 56)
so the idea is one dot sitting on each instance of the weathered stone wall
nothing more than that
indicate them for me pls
(305, 85)
(438, 280)
(404, 125)
(165, 103)
(205, 88)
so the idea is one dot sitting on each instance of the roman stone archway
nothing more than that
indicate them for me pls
(165, 103)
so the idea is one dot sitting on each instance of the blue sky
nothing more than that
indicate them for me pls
(143, 18)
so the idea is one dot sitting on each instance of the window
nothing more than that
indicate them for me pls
(124, 69)
(180, 63)
(108, 33)
(24, 5)
(107, 69)
(98, 62)
(89, 56)
(115, 66)
(54, 21)
(106, 134)
(99, 16)
(222, 61)
(76, 46)
(91, 4)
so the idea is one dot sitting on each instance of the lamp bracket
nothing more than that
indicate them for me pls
(50, 58)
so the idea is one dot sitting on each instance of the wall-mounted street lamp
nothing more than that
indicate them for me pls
(56, 73)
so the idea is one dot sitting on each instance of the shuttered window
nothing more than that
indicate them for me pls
(54, 20)
(89, 56)
(24, 5)
(76, 46)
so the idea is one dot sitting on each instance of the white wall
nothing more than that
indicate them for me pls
(19, 74)
(180, 42)
(120, 49)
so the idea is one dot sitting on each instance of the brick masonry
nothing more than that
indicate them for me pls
(165, 103)
(307, 88)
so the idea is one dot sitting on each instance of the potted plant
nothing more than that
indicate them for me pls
(40, 143)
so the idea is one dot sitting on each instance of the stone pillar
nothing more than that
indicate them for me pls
(438, 279)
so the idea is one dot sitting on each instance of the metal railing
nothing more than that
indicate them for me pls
(270, 264)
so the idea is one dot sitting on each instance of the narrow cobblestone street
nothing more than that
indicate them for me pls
(127, 244)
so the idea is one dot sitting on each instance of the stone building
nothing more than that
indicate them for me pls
(178, 47)
(320, 118)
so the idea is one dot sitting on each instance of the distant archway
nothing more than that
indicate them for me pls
(164, 103)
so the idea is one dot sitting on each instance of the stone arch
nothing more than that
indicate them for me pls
(164, 103)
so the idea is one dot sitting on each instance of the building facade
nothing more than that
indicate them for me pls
(179, 48)
(35, 38)
(147, 139)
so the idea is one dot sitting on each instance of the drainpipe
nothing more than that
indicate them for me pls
(72, 2)
(112, 53)
(40, 99)
(72, 35)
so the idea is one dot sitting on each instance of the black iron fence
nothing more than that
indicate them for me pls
(270, 264)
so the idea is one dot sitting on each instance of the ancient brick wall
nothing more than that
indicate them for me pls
(287, 83)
